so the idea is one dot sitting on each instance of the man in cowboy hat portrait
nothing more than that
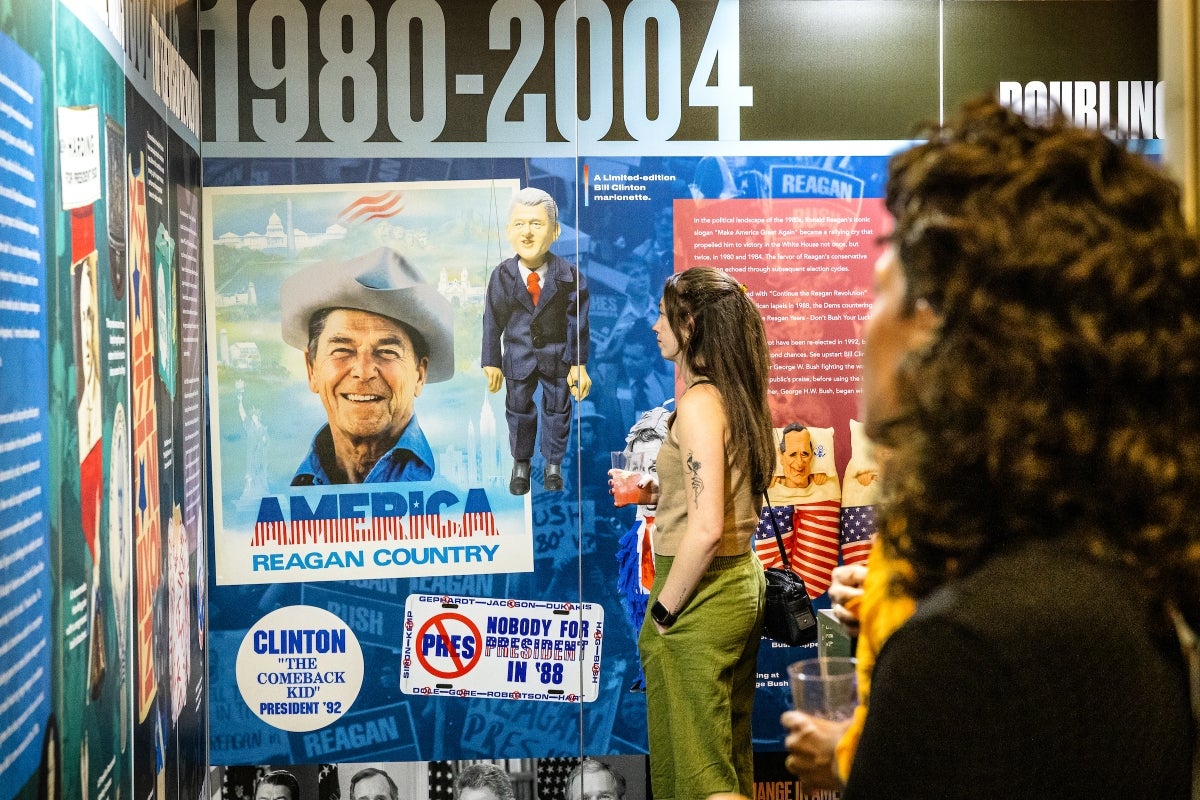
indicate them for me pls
(535, 333)
(373, 332)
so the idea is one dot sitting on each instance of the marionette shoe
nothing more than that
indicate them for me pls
(519, 482)
(552, 479)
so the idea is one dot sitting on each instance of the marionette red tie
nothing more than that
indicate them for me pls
(535, 287)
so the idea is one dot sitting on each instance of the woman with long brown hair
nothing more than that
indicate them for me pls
(699, 644)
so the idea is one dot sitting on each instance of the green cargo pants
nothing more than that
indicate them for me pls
(700, 681)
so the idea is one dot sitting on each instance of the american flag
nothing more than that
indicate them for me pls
(552, 777)
(764, 534)
(328, 787)
(368, 207)
(441, 780)
(858, 527)
(810, 535)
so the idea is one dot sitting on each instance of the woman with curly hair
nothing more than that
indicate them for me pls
(699, 644)
(1032, 361)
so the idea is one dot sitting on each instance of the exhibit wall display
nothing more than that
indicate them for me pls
(103, 525)
(748, 136)
(211, 210)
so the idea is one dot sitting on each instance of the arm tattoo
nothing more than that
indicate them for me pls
(693, 467)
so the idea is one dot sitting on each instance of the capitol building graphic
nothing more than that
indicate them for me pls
(280, 237)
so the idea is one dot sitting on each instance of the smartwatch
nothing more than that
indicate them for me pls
(659, 614)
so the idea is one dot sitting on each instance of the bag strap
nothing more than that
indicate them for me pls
(1189, 642)
(775, 525)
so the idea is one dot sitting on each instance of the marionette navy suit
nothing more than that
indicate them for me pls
(536, 345)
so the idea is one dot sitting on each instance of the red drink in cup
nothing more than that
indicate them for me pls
(625, 476)
(625, 487)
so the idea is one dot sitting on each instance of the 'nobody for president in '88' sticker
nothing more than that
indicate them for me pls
(300, 668)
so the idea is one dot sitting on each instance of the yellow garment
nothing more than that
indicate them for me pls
(881, 612)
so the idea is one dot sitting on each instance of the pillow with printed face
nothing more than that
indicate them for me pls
(805, 498)
(805, 469)
(860, 485)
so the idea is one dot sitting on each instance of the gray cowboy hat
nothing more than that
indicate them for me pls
(382, 282)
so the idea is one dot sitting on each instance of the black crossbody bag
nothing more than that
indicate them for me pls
(789, 617)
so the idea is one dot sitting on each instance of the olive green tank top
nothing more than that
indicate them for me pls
(741, 506)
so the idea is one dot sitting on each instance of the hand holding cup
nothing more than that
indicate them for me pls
(629, 482)
(824, 693)
(825, 687)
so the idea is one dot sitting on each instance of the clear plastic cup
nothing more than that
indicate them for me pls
(825, 687)
(626, 474)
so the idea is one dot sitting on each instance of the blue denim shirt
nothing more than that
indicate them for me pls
(409, 460)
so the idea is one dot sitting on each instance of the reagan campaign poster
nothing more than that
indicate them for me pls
(412, 252)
